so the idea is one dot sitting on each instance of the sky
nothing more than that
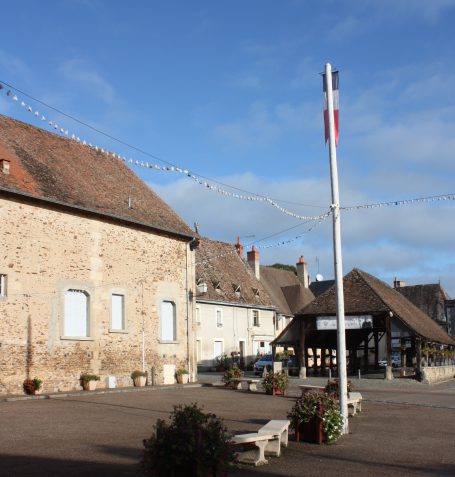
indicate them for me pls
(232, 92)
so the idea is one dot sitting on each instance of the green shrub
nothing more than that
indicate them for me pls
(193, 444)
(89, 377)
(231, 373)
(136, 374)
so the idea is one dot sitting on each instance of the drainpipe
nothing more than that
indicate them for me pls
(190, 246)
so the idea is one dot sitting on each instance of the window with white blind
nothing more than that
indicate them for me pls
(198, 315)
(76, 314)
(168, 321)
(117, 312)
(2, 285)
(219, 318)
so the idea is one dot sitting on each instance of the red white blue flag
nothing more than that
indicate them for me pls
(336, 105)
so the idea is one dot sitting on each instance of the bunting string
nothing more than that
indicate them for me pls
(433, 198)
(53, 125)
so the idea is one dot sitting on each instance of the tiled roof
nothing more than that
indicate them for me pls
(318, 288)
(54, 168)
(365, 294)
(285, 289)
(219, 266)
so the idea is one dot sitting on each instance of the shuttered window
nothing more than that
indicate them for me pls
(118, 312)
(76, 319)
(168, 325)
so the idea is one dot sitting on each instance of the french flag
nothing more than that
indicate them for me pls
(336, 106)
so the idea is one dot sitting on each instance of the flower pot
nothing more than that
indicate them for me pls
(311, 431)
(89, 385)
(140, 381)
(278, 392)
(183, 378)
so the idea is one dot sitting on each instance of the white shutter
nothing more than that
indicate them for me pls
(118, 322)
(217, 349)
(76, 313)
(167, 321)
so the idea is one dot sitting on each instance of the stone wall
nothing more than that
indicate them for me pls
(437, 374)
(46, 252)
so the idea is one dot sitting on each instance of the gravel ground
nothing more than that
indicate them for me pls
(404, 429)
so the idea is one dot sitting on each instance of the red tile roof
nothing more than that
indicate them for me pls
(54, 168)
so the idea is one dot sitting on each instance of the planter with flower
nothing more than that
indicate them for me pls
(232, 375)
(139, 378)
(316, 417)
(32, 386)
(182, 376)
(332, 387)
(88, 381)
(275, 383)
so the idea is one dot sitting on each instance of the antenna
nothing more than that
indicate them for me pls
(196, 227)
(317, 261)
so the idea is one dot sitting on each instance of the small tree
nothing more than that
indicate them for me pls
(194, 444)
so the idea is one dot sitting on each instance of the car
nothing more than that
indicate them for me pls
(396, 362)
(266, 360)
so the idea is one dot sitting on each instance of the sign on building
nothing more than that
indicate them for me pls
(350, 322)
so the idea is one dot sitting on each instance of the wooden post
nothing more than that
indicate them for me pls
(376, 349)
(303, 369)
(388, 331)
(365, 354)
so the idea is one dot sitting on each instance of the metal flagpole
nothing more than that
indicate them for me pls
(341, 336)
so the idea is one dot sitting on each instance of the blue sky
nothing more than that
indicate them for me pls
(232, 91)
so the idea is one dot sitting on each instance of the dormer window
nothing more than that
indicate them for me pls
(256, 292)
(5, 166)
(237, 289)
(217, 286)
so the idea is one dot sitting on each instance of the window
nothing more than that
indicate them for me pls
(255, 318)
(168, 325)
(117, 312)
(219, 318)
(198, 315)
(76, 314)
(2, 284)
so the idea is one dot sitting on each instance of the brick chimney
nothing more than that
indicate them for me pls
(253, 261)
(239, 246)
(398, 283)
(302, 272)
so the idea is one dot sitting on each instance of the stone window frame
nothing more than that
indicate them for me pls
(219, 324)
(87, 290)
(125, 329)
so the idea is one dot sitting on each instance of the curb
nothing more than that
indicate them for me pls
(63, 395)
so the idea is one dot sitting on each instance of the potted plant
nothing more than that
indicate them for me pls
(275, 383)
(202, 441)
(316, 417)
(332, 387)
(32, 386)
(139, 378)
(88, 381)
(232, 373)
(182, 376)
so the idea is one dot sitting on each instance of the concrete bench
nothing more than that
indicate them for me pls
(310, 387)
(255, 456)
(280, 430)
(236, 383)
(357, 397)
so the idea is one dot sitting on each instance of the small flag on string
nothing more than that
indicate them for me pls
(336, 105)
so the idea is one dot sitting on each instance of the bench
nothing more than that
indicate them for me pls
(236, 383)
(310, 387)
(255, 456)
(358, 398)
(279, 429)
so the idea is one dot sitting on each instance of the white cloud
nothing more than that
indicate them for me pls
(81, 72)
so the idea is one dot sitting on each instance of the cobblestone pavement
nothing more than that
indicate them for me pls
(404, 430)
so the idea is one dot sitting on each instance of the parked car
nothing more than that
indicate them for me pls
(266, 360)
(396, 362)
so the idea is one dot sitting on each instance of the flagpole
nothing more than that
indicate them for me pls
(341, 335)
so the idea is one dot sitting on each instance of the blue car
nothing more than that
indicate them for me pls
(265, 360)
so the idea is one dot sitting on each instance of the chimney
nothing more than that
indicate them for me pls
(302, 272)
(239, 246)
(253, 261)
(5, 166)
(398, 283)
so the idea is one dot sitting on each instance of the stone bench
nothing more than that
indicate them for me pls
(255, 456)
(280, 430)
(357, 398)
(236, 383)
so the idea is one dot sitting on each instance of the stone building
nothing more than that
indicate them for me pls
(95, 269)
(234, 313)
